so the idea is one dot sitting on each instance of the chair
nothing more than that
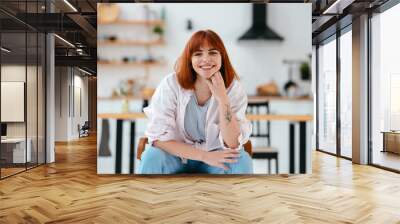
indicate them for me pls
(84, 130)
(254, 108)
(267, 152)
(143, 141)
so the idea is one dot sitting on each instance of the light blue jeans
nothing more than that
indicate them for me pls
(158, 161)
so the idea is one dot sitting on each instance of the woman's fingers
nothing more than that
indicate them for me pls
(217, 74)
(231, 151)
(228, 160)
(232, 155)
(217, 78)
(222, 166)
(221, 158)
(213, 78)
(210, 85)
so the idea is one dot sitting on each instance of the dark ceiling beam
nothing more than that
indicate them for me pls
(78, 61)
(321, 22)
(64, 51)
(19, 59)
(56, 22)
(15, 18)
(88, 69)
(331, 30)
(337, 7)
(84, 24)
(49, 22)
(91, 6)
(341, 8)
(11, 25)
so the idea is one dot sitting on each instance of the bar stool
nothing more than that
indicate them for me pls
(269, 154)
(257, 132)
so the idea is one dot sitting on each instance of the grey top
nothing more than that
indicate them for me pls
(195, 119)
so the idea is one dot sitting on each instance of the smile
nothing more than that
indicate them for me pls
(207, 67)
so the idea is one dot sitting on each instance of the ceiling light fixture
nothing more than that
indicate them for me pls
(65, 41)
(5, 49)
(70, 5)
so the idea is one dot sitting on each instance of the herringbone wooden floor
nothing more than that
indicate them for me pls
(70, 191)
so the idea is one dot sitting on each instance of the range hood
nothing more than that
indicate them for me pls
(259, 29)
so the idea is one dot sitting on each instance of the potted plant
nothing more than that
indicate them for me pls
(305, 71)
(159, 31)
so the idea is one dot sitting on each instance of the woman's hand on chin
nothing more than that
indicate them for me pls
(217, 86)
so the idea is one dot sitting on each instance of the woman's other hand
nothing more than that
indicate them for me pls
(218, 158)
(217, 86)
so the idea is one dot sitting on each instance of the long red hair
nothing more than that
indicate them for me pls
(184, 69)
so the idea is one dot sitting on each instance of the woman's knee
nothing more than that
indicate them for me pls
(157, 161)
(153, 155)
(244, 165)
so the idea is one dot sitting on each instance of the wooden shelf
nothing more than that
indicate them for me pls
(130, 42)
(118, 98)
(129, 64)
(123, 116)
(260, 99)
(133, 22)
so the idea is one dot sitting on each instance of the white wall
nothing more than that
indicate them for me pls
(79, 117)
(61, 103)
(68, 81)
(256, 62)
(11, 73)
(33, 126)
(17, 73)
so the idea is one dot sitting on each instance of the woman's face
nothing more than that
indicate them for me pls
(206, 61)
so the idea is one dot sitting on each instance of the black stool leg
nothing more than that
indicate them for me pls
(291, 148)
(268, 125)
(303, 159)
(132, 151)
(118, 148)
(269, 166)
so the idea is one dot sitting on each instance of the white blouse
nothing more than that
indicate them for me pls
(167, 110)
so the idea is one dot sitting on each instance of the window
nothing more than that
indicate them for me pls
(23, 88)
(346, 94)
(327, 97)
(385, 89)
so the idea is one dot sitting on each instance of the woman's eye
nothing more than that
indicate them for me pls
(197, 54)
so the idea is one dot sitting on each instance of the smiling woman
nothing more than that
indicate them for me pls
(204, 55)
(197, 120)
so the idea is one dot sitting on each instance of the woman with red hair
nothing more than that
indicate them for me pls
(197, 121)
